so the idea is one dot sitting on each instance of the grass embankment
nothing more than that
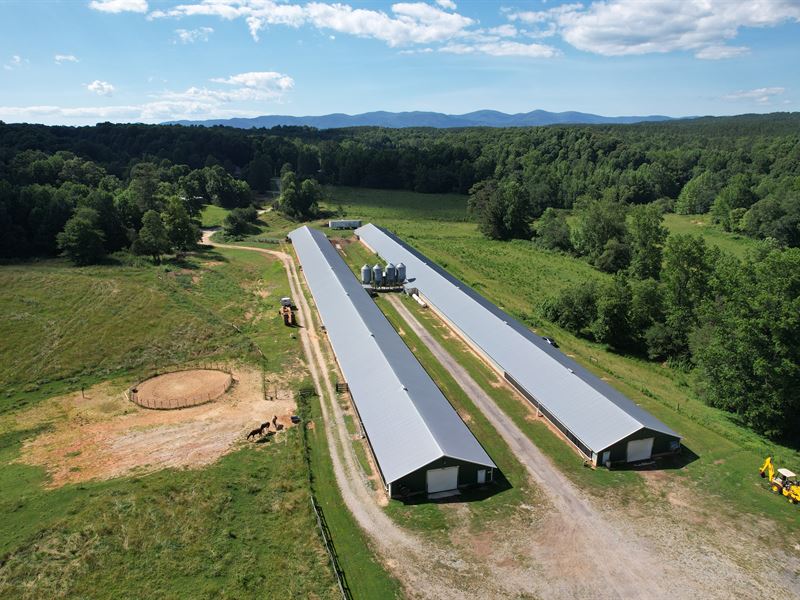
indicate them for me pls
(242, 527)
(365, 576)
(518, 277)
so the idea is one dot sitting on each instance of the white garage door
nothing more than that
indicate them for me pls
(640, 449)
(442, 480)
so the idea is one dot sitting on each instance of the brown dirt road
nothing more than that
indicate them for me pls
(628, 565)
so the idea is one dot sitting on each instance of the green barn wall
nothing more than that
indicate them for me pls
(417, 481)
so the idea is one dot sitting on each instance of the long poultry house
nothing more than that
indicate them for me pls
(419, 442)
(605, 425)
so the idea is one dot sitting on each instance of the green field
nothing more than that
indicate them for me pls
(75, 326)
(738, 245)
(243, 526)
(213, 216)
(230, 530)
(518, 276)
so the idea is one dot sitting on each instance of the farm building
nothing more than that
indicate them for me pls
(344, 224)
(606, 426)
(419, 442)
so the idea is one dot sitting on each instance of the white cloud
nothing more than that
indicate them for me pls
(257, 13)
(721, 52)
(412, 23)
(409, 23)
(62, 58)
(101, 88)
(119, 6)
(426, 50)
(192, 103)
(262, 80)
(149, 112)
(14, 62)
(761, 95)
(629, 27)
(504, 31)
(503, 48)
(190, 36)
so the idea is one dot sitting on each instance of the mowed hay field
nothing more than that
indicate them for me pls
(718, 474)
(240, 527)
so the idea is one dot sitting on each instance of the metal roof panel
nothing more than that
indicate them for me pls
(596, 413)
(408, 420)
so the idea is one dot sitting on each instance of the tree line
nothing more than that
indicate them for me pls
(734, 323)
(742, 170)
(52, 203)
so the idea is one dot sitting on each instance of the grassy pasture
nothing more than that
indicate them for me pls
(212, 215)
(76, 326)
(738, 245)
(240, 528)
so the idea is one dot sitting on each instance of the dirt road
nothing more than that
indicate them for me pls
(620, 559)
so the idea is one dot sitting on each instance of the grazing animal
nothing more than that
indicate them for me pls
(275, 421)
(260, 431)
(278, 427)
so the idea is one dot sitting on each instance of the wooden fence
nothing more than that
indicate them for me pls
(322, 524)
(197, 399)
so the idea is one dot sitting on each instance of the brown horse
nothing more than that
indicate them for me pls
(260, 431)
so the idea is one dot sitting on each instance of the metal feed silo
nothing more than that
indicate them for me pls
(390, 274)
(366, 274)
(401, 272)
(377, 274)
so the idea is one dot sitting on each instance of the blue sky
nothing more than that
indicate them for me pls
(85, 61)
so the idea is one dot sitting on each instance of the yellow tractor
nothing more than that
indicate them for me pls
(782, 481)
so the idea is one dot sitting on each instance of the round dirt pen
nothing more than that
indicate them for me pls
(181, 389)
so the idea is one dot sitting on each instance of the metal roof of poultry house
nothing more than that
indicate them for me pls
(406, 417)
(594, 412)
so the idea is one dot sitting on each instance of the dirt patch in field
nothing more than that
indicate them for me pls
(103, 435)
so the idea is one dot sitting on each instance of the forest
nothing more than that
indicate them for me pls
(598, 193)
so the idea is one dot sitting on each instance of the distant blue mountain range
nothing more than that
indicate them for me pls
(480, 118)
